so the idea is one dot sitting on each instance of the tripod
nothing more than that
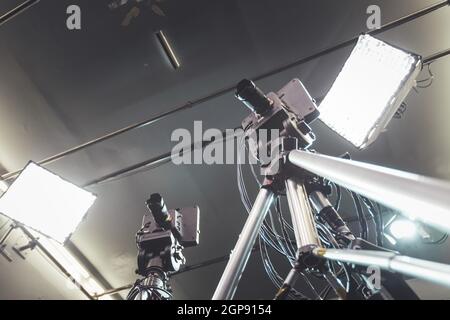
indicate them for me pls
(302, 189)
(303, 224)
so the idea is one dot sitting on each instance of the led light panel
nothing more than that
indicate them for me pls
(46, 203)
(369, 90)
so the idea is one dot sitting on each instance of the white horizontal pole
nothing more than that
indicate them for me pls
(427, 270)
(418, 197)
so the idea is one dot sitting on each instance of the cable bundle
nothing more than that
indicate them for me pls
(276, 235)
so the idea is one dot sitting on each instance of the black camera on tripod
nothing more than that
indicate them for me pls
(161, 240)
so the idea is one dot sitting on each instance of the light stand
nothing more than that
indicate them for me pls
(241, 253)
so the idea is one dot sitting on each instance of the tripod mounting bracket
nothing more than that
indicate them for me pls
(306, 260)
(279, 169)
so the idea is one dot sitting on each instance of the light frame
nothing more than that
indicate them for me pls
(348, 84)
(45, 202)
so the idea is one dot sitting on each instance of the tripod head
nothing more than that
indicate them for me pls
(290, 111)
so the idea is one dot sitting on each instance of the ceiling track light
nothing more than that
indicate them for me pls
(166, 46)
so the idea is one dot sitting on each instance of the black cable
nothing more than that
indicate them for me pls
(337, 204)
(219, 93)
(440, 241)
(376, 215)
(361, 217)
(370, 214)
(380, 216)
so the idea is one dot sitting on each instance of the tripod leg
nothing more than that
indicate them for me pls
(302, 218)
(335, 284)
(290, 281)
(329, 214)
(305, 232)
(241, 253)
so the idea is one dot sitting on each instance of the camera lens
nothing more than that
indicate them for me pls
(159, 210)
(253, 97)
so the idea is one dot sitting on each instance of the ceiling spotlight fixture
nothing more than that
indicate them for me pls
(369, 90)
(45, 202)
(162, 39)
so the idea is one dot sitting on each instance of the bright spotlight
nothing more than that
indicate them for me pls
(403, 229)
(46, 203)
(373, 83)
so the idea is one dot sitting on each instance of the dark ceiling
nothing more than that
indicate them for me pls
(59, 88)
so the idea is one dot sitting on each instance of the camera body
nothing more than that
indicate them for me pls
(184, 226)
(164, 234)
(161, 240)
(289, 111)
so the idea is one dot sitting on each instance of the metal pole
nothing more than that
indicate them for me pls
(427, 270)
(161, 159)
(55, 261)
(167, 157)
(436, 56)
(419, 197)
(241, 253)
(17, 10)
(342, 45)
(329, 214)
(6, 235)
(113, 291)
(302, 219)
